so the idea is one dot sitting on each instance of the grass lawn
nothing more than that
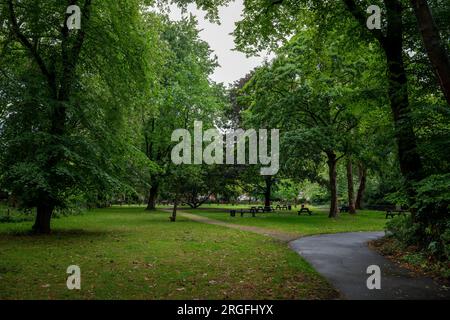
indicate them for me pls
(126, 253)
(290, 222)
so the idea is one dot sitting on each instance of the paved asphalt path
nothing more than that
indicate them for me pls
(343, 259)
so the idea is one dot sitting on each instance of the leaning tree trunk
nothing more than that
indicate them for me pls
(392, 44)
(152, 196)
(268, 191)
(410, 162)
(362, 186)
(433, 44)
(43, 217)
(332, 163)
(350, 191)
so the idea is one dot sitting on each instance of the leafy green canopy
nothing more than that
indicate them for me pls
(64, 95)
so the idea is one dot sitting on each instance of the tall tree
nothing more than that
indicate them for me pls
(183, 94)
(350, 189)
(71, 95)
(306, 93)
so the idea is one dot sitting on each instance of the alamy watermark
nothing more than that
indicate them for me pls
(74, 279)
(73, 22)
(233, 142)
(374, 20)
(374, 280)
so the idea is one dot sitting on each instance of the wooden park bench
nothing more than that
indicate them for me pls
(263, 209)
(243, 211)
(398, 211)
(283, 207)
(304, 209)
(344, 208)
(258, 209)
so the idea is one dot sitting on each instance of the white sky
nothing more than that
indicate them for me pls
(233, 64)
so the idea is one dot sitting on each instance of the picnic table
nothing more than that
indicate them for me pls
(252, 210)
(304, 209)
(283, 207)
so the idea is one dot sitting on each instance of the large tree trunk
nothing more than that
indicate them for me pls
(410, 162)
(152, 196)
(43, 217)
(362, 186)
(392, 44)
(350, 190)
(433, 44)
(173, 218)
(332, 162)
(268, 191)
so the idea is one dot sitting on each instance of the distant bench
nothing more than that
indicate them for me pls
(398, 211)
(242, 211)
(252, 210)
(304, 209)
(283, 207)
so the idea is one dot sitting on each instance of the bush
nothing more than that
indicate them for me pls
(409, 233)
(404, 230)
(430, 229)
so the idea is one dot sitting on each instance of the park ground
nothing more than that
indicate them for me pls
(128, 253)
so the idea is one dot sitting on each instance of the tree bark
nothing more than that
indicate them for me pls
(362, 186)
(268, 191)
(173, 218)
(152, 196)
(350, 189)
(392, 44)
(43, 217)
(332, 162)
(60, 88)
(433, 44)
(410, 162)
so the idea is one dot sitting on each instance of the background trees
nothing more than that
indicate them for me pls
(406, 53)
(313, 94)
(182, 93)
(88, 113)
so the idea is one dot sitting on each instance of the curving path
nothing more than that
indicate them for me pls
(343, 259)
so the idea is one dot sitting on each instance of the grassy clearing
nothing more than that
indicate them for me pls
(290, 222)
(126, 253)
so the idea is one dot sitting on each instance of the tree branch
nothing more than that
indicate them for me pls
(359, 15)
(29, 46)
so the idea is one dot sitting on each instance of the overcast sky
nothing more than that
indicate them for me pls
(233, 65)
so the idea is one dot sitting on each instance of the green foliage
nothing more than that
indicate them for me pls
(404, 229)
(64, 100)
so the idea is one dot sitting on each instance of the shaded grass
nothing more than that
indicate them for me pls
(127, 253)
(290, 222)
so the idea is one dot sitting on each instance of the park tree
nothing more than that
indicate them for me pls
(63, 96)
(257, 31)
(309, 92)
(183, 93)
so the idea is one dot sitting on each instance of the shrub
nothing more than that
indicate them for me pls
(404, 230)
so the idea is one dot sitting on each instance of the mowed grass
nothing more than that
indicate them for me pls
(303, 225)
(127, 253)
